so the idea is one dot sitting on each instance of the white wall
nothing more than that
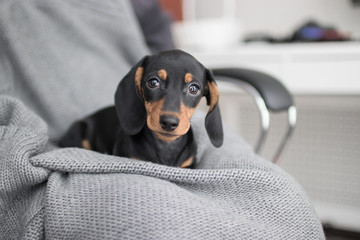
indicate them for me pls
(281, 17)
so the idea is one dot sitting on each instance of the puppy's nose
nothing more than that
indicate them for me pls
(169, 123)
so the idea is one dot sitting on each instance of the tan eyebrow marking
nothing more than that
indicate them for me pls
(188, 77)
(162, 74)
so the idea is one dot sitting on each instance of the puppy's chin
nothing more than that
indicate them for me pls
(166, 137)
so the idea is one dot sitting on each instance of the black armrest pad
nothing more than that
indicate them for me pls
(276, 96)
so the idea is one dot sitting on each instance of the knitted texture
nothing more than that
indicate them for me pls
(79, 194)
(61, 60)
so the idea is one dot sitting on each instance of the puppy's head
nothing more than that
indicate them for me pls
(163, 91)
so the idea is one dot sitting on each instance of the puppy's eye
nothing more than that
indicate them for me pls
(153, 83)
(194, 89)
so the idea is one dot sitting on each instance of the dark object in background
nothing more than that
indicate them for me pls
(333, 233)
(311, 31)
(355, 3)
(314, 32)
(155, 24)
(261, 37)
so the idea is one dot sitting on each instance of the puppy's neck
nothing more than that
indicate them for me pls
(172, 153)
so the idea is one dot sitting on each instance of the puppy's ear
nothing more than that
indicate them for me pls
(129, 102)
(213, 122)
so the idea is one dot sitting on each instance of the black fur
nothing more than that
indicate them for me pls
(153, 106)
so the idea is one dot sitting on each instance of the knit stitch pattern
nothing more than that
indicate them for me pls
(79, 194)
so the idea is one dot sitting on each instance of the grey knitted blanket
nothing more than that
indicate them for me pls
(80, 194)
(60, 60)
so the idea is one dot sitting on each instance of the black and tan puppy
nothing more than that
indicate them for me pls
(150, 121)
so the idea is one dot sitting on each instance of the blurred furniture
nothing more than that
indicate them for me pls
(269, 95)
(324, 153)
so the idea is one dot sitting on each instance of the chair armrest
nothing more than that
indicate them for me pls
(270, 95)
(276, 96)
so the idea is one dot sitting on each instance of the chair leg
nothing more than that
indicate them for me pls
(292, 114)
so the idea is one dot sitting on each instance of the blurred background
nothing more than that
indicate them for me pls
(313, 48)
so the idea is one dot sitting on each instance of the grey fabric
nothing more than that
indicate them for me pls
(75, 51)
(231, 195)
(61, 60)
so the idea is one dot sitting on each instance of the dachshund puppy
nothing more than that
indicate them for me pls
(150, 121)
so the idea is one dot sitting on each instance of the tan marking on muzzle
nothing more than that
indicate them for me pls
(138, 77)
(188, 77)
(154, 112)
(162, 74)
(214, 95)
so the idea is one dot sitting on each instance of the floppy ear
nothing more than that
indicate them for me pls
(129, 102)
(213, 122)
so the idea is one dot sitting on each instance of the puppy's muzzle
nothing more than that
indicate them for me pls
(169, 123)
